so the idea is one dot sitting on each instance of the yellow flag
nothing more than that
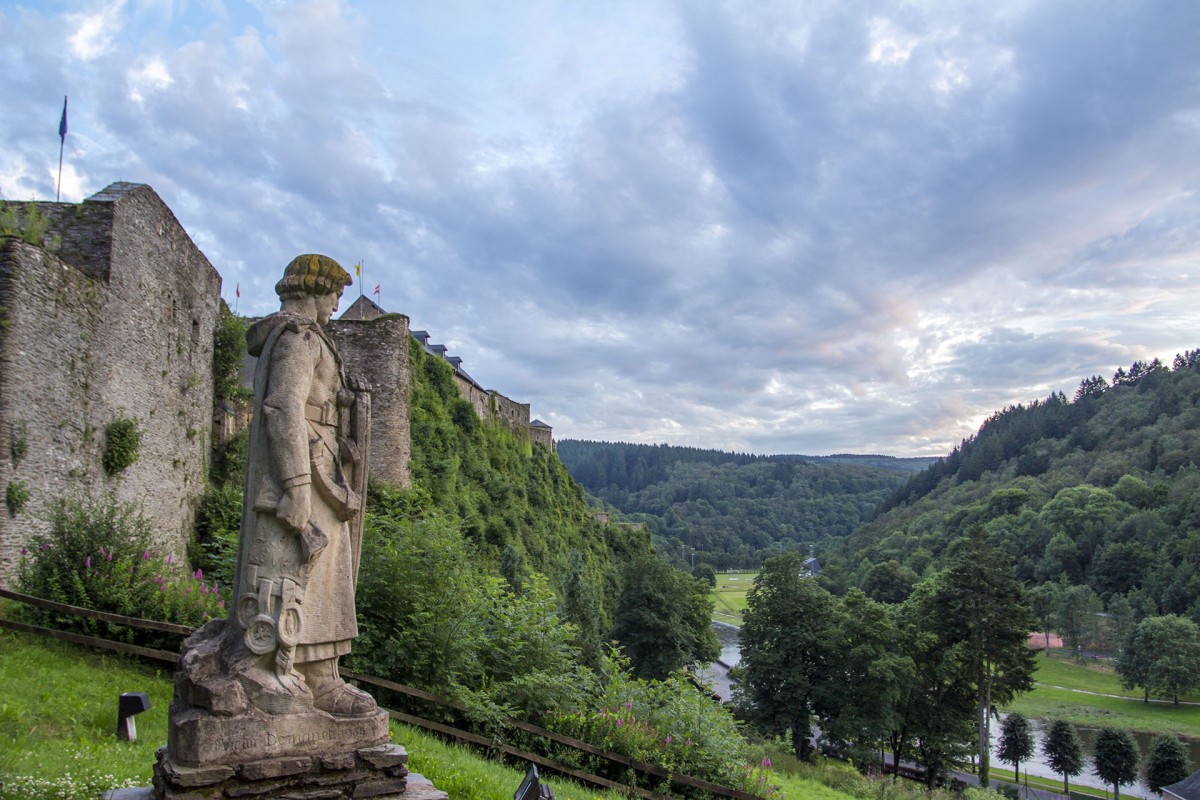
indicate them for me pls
(358, 269)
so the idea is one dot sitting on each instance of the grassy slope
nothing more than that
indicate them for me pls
(58, 720)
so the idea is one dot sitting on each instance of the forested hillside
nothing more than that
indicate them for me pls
(734, 509)
(1100, 491)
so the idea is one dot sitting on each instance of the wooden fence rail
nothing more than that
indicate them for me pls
(410, 691)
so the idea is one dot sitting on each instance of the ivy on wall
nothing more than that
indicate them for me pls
(122, 443)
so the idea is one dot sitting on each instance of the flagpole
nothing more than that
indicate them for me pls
(62, 141)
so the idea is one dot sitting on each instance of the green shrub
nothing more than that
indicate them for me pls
(214, 548)
(229, 353)
(671, 723)
(16, 495)
(122, 443)
(98, 555)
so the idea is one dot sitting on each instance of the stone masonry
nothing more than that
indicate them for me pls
(117, 323)
(114, 319)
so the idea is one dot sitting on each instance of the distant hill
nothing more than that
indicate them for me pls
(735, 508)
(1101, 490)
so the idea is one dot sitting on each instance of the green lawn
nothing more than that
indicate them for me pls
(58, 719)
(1048, 701)
(730, 596)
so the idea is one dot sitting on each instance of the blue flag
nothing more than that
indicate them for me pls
(62, 123)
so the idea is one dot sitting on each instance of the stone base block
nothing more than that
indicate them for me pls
(379, 771)
(197, 738)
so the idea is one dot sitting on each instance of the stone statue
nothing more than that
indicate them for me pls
(264, 683)
(259, 708)
(301, 528)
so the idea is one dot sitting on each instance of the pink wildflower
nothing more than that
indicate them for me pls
(110, 555)
(87, 562)
(766, 763)
(689, 741)
(24, 551)
(668, 738)
(145, 555)
(620, 722)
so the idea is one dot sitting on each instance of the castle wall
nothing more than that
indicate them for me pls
(479, 399)
(130, 335)
(46, 386)
(377, 351)
(542, 436)
(510, 413)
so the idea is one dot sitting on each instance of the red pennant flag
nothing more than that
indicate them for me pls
(377, 290)
(237, 291)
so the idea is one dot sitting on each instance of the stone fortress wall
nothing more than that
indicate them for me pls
(116, 319)
(117, 323)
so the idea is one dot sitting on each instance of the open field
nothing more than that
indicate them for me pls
(730, 596)
(1081, 694)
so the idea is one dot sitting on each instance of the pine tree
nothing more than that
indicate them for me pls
(982, 605)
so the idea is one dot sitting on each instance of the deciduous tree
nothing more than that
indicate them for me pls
(785, 649)
(871, 673)
(1162, 656)
(663, 619)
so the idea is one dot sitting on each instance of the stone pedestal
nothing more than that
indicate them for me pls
(369, 772)
(197, 738)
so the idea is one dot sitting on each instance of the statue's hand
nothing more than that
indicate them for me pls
(295, 507)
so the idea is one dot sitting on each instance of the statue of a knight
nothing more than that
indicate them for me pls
(301, 530)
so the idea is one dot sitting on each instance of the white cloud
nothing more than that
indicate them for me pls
(93, 33)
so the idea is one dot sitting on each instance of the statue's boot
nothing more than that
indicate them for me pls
(333, 695)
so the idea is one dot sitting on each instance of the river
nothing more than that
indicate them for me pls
(731, 656)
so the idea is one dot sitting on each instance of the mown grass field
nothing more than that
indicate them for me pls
(730, 596)
(1082, 693)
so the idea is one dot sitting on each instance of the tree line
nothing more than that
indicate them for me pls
(1097, 495)
(733, 509)
(1114, 758)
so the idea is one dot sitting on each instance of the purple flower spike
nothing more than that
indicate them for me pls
(668, 738)
(87, 562)
(24, 552)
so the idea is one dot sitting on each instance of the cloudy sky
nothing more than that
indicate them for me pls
(794, 227)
